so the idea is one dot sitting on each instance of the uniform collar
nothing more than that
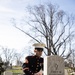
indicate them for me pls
(37, 56)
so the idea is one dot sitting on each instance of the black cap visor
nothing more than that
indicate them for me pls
(39, 49)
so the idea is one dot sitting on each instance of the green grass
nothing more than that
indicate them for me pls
(16, 70)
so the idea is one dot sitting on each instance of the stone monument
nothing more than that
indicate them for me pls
(53, 65)
(8, 73)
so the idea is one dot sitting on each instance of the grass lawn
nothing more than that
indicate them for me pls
(16, 70)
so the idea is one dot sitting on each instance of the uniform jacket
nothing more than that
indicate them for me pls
(32, 65)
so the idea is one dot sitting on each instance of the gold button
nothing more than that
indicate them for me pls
(32, 73)
(35, 71)
(37, 65)
(37, 60)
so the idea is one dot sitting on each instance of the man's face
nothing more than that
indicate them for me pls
(39, 52)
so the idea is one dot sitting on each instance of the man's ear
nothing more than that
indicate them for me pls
(35, 51)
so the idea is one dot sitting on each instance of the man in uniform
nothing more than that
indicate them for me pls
(33, 64)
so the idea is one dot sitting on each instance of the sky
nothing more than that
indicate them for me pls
(10, 36)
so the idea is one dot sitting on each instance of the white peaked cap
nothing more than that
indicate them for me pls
(39, 45)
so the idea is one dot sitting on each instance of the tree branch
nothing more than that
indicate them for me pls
(27, 34)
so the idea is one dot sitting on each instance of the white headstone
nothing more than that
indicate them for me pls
(8, 73)
(53, 65)
(20, 74)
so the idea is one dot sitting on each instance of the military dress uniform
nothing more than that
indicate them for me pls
(32, 65)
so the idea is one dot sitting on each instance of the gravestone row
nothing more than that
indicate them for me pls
(8, 73)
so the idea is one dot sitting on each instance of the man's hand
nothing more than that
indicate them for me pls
(39, 73)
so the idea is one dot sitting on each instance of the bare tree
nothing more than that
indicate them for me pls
(18, 57)
(50, 25)
(8, 54)
(72, 57)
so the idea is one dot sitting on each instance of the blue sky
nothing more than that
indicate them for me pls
(10, 36)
